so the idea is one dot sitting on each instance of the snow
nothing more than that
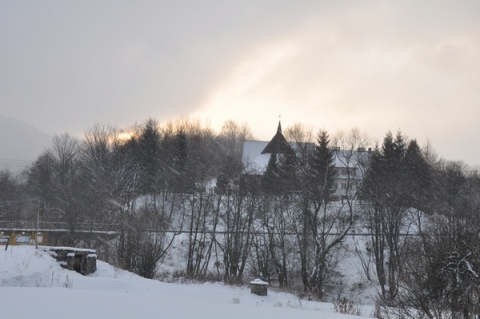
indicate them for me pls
(258, 282)
(33, 285)
(252, 158)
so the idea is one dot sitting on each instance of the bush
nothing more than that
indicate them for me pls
(346, 306)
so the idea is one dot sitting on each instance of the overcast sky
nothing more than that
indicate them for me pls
(403, 65)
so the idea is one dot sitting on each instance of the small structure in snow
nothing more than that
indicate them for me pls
(258, 287)
(83, 261)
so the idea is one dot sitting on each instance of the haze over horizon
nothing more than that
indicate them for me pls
(375, 65)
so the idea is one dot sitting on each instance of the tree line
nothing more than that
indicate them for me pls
(287, 226)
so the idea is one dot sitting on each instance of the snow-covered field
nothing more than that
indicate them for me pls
(33, 285)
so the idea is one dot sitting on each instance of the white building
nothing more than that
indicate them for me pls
(350, 164)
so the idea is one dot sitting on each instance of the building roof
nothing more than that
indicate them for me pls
(278, 144)
(254, 162)
(256, 154)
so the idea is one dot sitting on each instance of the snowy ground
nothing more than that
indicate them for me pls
(33, 285)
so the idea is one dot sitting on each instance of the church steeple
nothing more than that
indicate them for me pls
(278, 144)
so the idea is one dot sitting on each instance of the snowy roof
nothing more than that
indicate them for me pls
(254, 162)
(350, 158)
(259, 282)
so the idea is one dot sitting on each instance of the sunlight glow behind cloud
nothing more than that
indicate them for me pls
(244, 95)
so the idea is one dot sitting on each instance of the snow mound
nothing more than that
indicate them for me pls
(33, 285)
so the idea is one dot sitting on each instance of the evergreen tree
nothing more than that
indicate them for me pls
(389, 170)
(385, 188)
(149, 156)
(322, 171)
(271, 180)
(176, 146)
(417, 177)
(288, 174)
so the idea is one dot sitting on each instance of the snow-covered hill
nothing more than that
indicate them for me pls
(33, 285)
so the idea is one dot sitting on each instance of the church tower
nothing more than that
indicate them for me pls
(278, 144)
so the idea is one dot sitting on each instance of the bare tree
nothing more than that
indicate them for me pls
(13, 200)
(238, 221)
(53, 180)
(440, 272)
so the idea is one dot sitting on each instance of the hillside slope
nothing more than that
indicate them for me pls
(20, 143)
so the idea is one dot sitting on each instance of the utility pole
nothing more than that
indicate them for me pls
(38, 226)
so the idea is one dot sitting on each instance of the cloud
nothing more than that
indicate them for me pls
(69, 62)
(375, 65)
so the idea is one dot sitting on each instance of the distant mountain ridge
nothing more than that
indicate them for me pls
(20, 143)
